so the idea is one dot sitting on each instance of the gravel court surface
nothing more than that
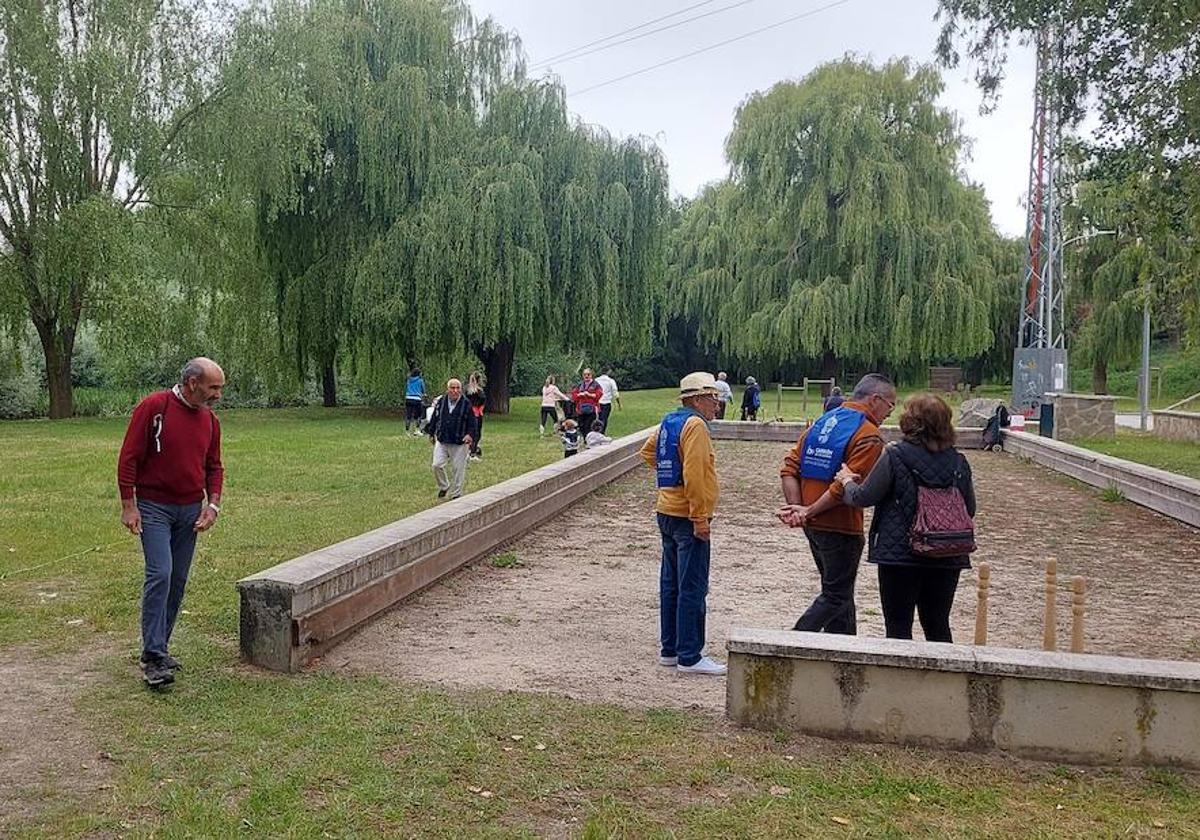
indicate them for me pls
(577, 615)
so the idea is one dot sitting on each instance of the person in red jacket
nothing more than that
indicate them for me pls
(586, 396)
(170, 475)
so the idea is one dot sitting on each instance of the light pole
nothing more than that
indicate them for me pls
(1145, 377)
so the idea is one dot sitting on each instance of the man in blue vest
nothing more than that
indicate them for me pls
(681, 454)
(847, 434)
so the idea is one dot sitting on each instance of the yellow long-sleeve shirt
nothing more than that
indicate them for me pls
(696, 499)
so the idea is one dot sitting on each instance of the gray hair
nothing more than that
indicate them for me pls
(194, 369)
(871, 384)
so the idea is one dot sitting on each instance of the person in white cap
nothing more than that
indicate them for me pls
(681, 454)
(724, 394)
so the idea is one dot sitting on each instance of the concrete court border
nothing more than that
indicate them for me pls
(1168, 493)
(299, 609)
(1080, 708)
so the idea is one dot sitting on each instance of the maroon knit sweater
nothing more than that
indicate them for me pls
(171, 453)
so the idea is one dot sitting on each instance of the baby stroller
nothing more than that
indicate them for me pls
(992, 439)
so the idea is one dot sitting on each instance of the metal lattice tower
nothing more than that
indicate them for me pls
(1042, 313)
(1039, 365)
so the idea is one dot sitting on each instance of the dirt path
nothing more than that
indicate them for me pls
(585, 623)
(48, 760)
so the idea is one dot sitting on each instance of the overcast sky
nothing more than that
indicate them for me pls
(688, 107)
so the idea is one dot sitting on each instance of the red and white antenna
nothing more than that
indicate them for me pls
(1040, 360)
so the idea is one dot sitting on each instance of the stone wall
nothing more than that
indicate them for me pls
(1079, 416)
(1078, 708)
(1177, 425)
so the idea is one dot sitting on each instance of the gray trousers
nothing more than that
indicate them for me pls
(450, 466)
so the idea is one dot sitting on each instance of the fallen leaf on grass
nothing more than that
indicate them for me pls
(913, 798)
(780, 790)
(75, 622)
(486, 794)
(507, 749)
(475, 789)
(1159, 824)
(840, 820)
(540, 747)
(517, 737)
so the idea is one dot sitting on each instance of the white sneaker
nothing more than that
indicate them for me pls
(669, 661)
(704, 666)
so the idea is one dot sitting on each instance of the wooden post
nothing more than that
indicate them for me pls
(804, 399)
(1050, 628)
(1077, 604)
(983, 575)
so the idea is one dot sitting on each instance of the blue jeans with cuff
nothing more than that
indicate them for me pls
(682, 589)
(168, 543)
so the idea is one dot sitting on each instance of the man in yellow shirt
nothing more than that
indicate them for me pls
(681, 454)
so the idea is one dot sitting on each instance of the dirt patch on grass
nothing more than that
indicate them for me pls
(48, 758)
(578, 615)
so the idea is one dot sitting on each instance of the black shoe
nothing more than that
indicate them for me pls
(157, 673)
(442, 494)
(166, 659)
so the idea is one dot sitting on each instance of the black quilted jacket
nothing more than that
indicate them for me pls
(892, 491)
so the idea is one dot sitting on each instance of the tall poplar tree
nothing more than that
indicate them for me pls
(845, 234)
(96, 100)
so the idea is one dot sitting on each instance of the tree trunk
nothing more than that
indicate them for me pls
(329, 385)
(1100, 376)
(829, 369)
(57, 348)
(497, 366)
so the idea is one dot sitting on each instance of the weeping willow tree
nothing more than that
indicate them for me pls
(540, 233)
(356, 103)
(1144, 258)
(417, 195)
(845, 233)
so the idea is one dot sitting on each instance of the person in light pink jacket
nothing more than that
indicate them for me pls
(551, 397)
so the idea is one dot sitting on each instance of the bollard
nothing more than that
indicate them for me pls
(1050, 629)
(1077, 606)
(983, 576)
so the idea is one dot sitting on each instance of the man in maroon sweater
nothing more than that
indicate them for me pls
(170, 475)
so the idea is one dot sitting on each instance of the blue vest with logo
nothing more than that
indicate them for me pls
(669, 472)
(826, 442)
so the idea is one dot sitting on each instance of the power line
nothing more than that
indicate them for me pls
(622, 32)
(710, 47)
(571, 55)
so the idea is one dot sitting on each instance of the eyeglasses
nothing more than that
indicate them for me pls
(891, 404)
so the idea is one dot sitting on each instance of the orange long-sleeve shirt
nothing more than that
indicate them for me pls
(697, 498)
(862, 452)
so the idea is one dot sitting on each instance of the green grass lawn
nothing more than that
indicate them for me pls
(1176, 456)
(231, 750)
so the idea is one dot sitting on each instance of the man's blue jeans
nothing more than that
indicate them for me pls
(168, 542)
(682, 589)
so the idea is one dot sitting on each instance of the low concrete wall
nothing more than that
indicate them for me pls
(1174, 495)
(295, 610)
(1177, 425)
(968, 438)
(1053, 706)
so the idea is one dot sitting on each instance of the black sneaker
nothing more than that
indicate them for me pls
(166, 659)
(157, 673)
(442, 494)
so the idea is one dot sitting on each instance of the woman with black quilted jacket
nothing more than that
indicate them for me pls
(926, 457)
